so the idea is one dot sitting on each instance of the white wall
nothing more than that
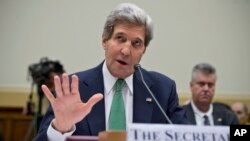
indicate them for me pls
(186, 32)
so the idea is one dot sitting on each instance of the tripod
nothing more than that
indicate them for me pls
(37, 118)
(40, 104)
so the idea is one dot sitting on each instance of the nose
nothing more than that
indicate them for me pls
(126, 49)
(206, 87)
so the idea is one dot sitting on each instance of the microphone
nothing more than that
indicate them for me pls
(138, 67)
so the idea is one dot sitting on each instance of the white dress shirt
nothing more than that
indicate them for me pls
(199, 115)
(109, 91)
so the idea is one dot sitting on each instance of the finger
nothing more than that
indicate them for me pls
(94, 99)
(75, 85)
(65, 84)
(58, 86)
(48, 93)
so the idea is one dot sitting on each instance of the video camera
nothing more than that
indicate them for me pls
(41, 72)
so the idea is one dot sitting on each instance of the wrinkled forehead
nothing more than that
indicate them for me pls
(130, 28)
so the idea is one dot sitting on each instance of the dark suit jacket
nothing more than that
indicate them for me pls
(221, 115)
(91, 82)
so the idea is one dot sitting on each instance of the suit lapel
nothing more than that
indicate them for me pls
(142, 100)
(217, 117)
(190, 114)
(92, 85)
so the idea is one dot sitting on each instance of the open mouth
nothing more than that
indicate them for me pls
(122, 62)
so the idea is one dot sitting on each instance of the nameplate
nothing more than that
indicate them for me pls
(166, 132)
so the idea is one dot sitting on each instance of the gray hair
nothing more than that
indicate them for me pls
(203, 68)
(127, 12)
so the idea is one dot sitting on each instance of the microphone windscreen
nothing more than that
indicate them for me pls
(137, 66)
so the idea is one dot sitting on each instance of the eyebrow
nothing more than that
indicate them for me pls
(122, 33)
(119, 33)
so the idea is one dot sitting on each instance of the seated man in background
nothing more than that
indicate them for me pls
(200, 110)
(241, 110)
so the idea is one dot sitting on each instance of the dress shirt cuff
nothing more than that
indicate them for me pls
(54, 135)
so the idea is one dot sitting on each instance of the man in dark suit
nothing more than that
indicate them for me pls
(200, 110)
(83, 105)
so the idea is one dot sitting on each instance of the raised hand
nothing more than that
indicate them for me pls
(67, 105)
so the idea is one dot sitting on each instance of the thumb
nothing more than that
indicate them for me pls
(94, 99)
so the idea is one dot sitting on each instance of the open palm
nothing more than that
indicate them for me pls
(67, 105)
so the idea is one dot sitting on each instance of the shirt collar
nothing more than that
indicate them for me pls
(200, 113)
(110, 80)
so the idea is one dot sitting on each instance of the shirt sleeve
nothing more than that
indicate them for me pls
(54, 135)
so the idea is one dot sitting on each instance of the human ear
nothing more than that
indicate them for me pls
(104, 42)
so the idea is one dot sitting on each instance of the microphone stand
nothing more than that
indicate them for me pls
(138, 67)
